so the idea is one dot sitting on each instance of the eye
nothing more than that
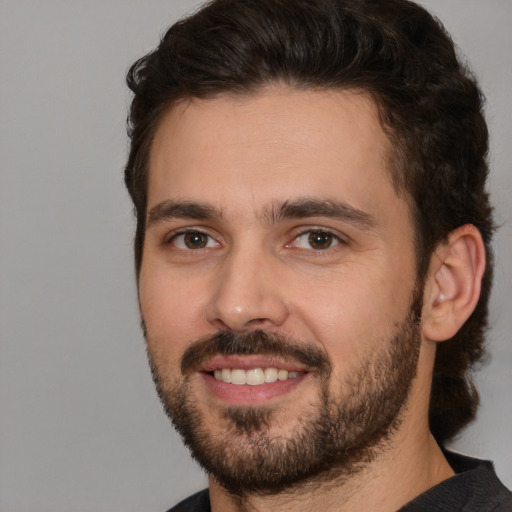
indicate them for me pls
(191, 240)
(317, 240)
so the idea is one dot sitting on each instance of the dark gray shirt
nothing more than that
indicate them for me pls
(474, 488)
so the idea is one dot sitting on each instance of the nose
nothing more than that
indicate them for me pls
(247, 293)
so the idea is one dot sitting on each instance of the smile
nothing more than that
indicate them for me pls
(249, 380)
(253, 376)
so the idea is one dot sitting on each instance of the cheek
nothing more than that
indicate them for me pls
(354, 313)
(171, 307)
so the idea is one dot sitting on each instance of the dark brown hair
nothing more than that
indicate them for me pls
(429, 103)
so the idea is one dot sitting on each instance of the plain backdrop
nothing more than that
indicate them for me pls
(81, 429)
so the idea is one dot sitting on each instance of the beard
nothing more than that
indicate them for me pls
(347, 424)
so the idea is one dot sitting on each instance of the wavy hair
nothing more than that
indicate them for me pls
(429, 104)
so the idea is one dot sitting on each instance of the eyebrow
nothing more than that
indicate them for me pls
(170, 209)
(298, 209)
(312, 207)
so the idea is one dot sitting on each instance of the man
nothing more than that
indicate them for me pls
(313, 253)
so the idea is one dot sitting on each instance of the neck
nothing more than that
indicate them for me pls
(404, 466)
(393, 478)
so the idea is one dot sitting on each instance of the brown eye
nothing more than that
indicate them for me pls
(191, 240)
(319, 240)
(195, 240)
(316, 240)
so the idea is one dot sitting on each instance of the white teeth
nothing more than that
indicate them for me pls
(270, 375)
(238, 377)
(254, 376)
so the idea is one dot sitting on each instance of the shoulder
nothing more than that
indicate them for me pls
(474, 487)
(199, 502)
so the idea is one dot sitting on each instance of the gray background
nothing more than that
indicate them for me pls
(80, 426)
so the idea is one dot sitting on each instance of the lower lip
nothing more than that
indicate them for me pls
(244, 395)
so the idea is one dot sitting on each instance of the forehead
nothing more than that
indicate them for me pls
(280, 143)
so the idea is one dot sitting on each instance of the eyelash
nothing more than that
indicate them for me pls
(333, 240)
(171, 240)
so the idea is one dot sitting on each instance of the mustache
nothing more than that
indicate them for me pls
(256, 342)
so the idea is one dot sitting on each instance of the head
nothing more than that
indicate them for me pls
(427, 102)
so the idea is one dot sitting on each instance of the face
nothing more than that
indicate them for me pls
(278, 285)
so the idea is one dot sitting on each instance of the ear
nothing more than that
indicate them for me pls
(453, 284)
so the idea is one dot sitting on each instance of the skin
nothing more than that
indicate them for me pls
(243, 158)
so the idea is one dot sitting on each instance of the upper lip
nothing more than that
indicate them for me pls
(250, 362)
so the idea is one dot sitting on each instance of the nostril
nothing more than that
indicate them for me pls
(220, 325)
(258, 321)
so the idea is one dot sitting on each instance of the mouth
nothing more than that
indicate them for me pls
(253, 376)
(251, 380)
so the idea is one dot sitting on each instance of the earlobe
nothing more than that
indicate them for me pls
(453, 283)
